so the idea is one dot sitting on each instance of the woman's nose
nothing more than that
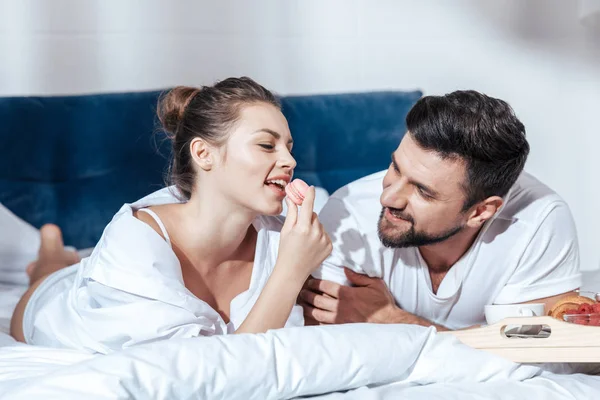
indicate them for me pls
(287, 161)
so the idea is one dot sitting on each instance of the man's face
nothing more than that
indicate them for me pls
(422, 197)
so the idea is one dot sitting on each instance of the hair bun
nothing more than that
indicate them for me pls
(172, 106)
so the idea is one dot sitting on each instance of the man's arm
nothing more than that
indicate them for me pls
(346, 288)
(550, 301)
(369, 300)
(326, 302)
(547, 271)
(549, 267)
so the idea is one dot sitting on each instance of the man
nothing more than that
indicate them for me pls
(457, 226)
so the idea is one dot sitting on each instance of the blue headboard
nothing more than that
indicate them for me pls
(74, 160)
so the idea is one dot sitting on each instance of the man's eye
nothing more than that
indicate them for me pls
(267, 146)
(423, 193)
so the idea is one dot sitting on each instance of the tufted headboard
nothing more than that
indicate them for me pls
(74, 160)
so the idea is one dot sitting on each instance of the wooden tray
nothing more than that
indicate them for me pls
(567, 342)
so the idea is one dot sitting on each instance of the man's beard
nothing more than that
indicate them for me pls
(411, 237)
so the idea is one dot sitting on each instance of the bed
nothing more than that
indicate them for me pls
(359, 361)
(338, 138)
(355, 361)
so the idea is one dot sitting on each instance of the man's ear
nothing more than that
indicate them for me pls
(484, 210)
(202, 153)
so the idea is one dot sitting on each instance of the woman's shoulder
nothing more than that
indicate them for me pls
(130, 236)
(153, 217)
(130, 218)
(127, 233)
(132, 257)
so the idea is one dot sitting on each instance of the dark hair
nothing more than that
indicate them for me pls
(482, 131)
(207, 112)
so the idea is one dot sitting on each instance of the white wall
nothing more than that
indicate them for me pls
(536, 54)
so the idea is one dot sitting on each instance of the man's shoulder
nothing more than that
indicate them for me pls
(530, 200)
(355, 206)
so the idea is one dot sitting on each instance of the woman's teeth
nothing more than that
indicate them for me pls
(279, 182)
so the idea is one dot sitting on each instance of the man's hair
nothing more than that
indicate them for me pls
(481, 131)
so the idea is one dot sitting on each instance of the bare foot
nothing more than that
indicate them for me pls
(52, 255)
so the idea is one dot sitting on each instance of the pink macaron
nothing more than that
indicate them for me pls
(296, 190)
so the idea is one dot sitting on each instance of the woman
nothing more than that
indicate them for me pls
(209, 256)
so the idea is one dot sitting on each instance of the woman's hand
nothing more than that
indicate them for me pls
(304, 244)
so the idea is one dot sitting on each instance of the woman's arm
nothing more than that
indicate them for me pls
(275, 303)
(303, 246)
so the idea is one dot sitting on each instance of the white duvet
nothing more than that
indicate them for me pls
(280, 364)
(377, 361)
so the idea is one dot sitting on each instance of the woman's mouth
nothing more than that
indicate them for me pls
(278, 186)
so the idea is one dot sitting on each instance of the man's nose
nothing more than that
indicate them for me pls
(395, 195)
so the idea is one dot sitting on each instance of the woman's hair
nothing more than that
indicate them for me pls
(208, 112)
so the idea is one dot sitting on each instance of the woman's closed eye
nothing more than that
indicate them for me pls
(267, 146)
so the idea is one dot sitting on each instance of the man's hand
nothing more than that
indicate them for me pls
(369, 300)
(330, 303)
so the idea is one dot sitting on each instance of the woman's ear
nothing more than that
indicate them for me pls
(484, 211)
(202, 153)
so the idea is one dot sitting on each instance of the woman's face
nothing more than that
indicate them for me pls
(256, 163)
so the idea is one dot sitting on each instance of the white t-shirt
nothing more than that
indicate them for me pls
(131, 290)
(527, 251)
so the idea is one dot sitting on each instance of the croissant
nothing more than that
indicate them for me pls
(568, 303)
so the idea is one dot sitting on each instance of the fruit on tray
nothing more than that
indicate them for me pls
(586, 314)
(573, 304)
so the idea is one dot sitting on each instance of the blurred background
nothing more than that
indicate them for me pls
(541, 56)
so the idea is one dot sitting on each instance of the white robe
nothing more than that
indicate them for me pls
(131, 290)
